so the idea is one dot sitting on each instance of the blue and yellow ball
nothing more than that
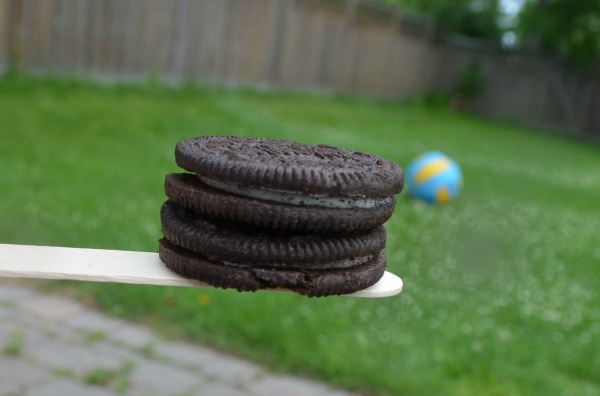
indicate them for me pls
(434, 178)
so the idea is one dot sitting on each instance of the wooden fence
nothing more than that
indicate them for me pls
(335, 45)
(528, 90)
(344, 46)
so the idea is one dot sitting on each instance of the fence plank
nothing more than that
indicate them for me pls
(4, 34)
(294, 43)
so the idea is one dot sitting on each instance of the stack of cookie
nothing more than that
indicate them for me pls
(266, 214)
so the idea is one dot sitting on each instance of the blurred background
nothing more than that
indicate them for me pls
(501, 285)
(531, 62)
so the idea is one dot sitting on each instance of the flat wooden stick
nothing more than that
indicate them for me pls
(99, 265)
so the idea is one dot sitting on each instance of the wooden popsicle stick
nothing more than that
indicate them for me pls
(99, 265)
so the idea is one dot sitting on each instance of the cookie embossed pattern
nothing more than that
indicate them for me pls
(253, 214)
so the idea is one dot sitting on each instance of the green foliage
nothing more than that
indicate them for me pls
(435, 98)
(118, 379)
(15, 343)
(64, 372)
(471, 80)
(99, 376)
(473, 18)
(94, 336)
(501, 287)
(567, 28)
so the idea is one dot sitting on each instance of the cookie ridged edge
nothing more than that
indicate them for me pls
(381, 178)
(188, 191)
(309, 283)
(232, 242)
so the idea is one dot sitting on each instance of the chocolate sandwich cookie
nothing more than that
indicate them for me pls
(285, 185)
(187, 190)
(264, 214)
(239, 245)
(313, 283)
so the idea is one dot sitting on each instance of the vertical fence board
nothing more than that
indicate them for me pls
(68, 42)
(164, 18)
(79, 31)
(146, 39)
(230, 52)
(129, 24)
(36, 45)
(193, 41)
(92, 36)
(14, 32)
(180, 35)
(334, 61)
(214, 23)
(136, 18)
(295, 48)
(257, 21)
(57, 30)
(4, 34)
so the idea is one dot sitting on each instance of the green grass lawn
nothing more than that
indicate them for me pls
(501, 290)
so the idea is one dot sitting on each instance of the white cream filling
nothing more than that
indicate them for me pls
(298, 199)
(340, 264)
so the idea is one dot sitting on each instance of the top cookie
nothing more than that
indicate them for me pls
(284, 166)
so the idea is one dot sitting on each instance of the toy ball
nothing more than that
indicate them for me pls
(434, 178)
